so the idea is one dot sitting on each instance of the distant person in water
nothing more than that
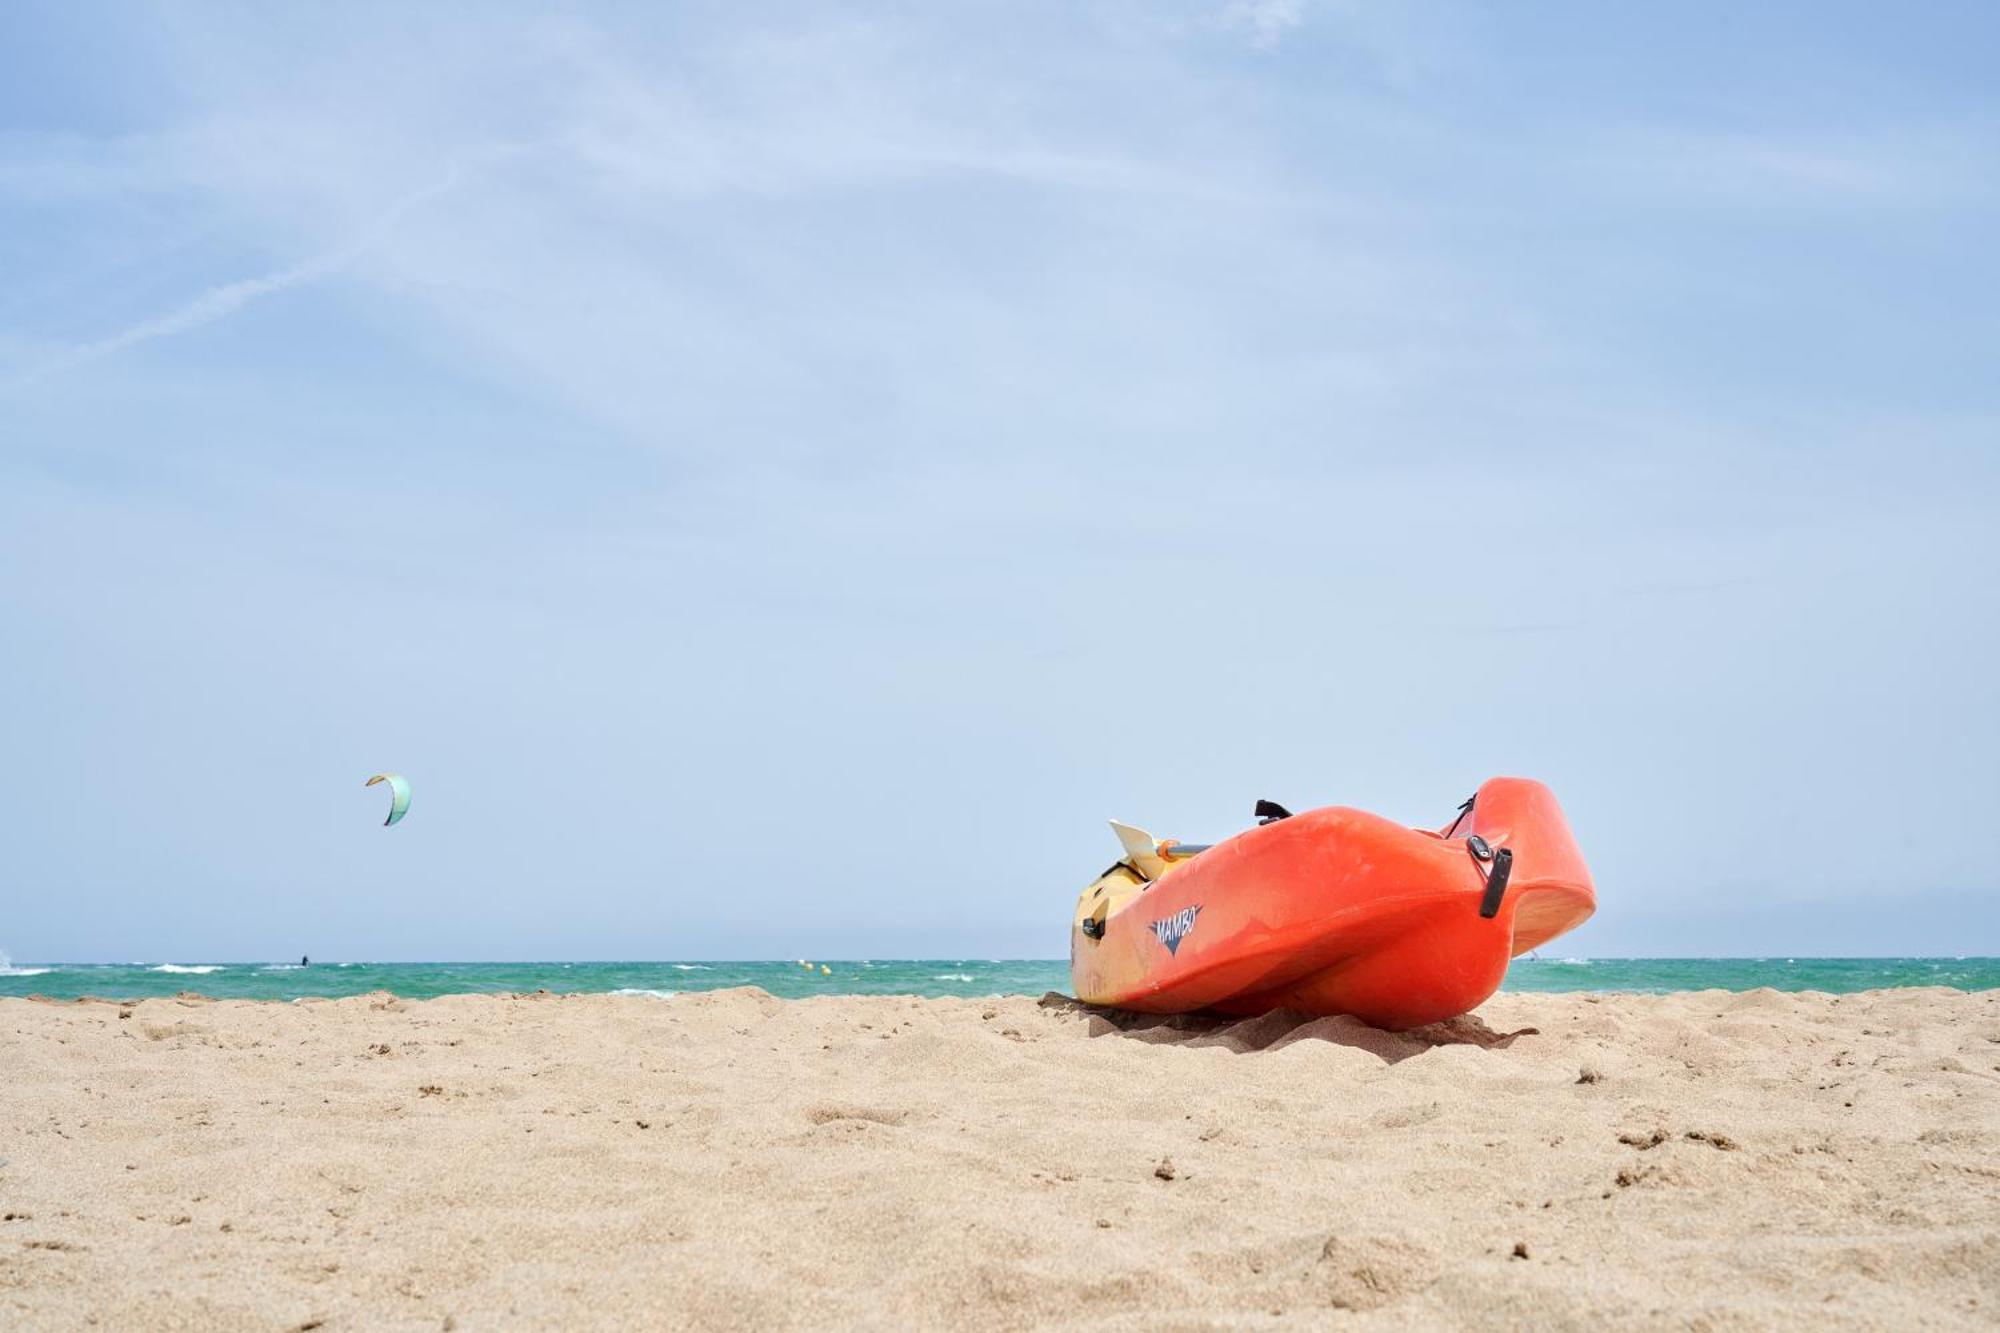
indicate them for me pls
(304, 961)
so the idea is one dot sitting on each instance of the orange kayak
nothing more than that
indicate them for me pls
(1334, 911)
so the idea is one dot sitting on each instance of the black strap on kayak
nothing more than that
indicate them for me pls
(1270, 812)
(1464, 809)
(1496, 882)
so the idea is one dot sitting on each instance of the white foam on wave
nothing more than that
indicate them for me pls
(202, 969)
(1572, 962)
(280, 967)
(641, 990)
(952, 976)
(7, 968)
(691, 967)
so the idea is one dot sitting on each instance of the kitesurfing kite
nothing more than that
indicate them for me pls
(399, 795)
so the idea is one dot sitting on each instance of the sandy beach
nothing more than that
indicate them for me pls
(729, 1160)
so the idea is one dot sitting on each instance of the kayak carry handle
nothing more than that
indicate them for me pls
(1270, 812)
(1496, 882)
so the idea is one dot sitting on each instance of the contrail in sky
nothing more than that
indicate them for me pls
(219, 302)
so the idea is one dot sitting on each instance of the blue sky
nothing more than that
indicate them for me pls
(777, 478)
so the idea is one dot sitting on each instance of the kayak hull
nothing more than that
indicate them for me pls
(1337, 911)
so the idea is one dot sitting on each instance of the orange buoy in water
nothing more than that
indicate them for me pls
(1334, 911)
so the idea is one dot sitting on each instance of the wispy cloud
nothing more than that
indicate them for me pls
(1264, 22)
(1894, 166)
(221, 301)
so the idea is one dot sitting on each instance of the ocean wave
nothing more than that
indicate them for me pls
(1572, 962)
(692, 967)
(280, 967)
(951, 976)
(202, 969)
(7, 968)
(641, 990)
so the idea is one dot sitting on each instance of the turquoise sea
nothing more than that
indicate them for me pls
(934, 976)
